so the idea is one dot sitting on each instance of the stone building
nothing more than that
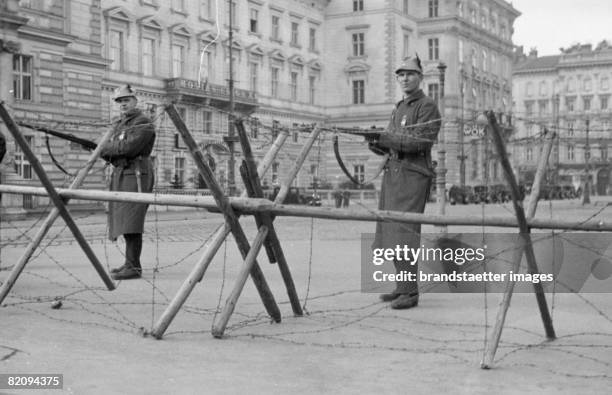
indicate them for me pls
(570, 93)
(294, 63)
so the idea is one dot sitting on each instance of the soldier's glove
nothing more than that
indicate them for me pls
(389, 140)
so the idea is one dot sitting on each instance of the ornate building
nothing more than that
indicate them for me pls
(294, 62)
(570, 93)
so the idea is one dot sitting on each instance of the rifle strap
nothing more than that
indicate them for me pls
(55, 162)
(353, 179)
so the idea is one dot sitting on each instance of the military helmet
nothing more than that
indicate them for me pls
(410, 64)
(124, 91)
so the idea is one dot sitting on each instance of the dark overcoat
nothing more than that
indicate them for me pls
(129, 150)
(409, 172)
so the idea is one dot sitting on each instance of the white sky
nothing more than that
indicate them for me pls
(552, 24)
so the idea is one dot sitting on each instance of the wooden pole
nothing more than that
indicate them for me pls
(299, 162)
(251, 206)
(189, 284)
(216, 241)
(51, 217)
(219, 327)
(523, 226)
(228, 212)
(273, 245)
(517, 257)
(53, 195)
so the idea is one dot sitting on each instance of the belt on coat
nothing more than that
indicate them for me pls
(122, 163)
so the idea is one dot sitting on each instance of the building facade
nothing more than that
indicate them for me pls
(294, 63)
(568, 93)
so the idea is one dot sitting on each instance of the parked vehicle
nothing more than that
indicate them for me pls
(481, 194)
(297, 195)
(461, 195)
(499, 193)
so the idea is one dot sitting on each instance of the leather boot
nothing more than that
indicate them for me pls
(389, 297)
(127, 273)
(117, 269)
(405, 301)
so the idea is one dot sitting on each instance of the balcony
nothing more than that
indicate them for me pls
(184, 90)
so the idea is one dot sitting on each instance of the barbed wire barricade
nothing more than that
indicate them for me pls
(339, 316)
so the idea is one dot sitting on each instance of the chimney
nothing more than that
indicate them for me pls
(533, 53)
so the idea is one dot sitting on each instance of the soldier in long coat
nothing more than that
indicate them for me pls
(412, 130)
(129, 150)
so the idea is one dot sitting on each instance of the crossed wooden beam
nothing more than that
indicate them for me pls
(59, 209)
(266, 235)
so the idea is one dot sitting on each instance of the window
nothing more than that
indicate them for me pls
(570, 129)
(460, 8)
(275, 167)
(570, 153)
(22, 77)
(528, 108)
(312, 89)
(294, 85)
(178, 60)
(529, 89)
(603, 101)
(460, 50)
(312, 39)
(231, 12)
(253, 76)
(179, 171)
(485, 63)
(116, 50)
(254, 128)
(207, 68)
(406, 45)
(529, 154)
(254, 13)
(542, 107)
(433, 8)
(357, 5)
(359, 172)
(570, 103)
(275, 27)
(274, 72)
(586, 103)
(358, 92)
(571, 85)
(207, 122)
(205, 9)
(493, 63)
(294, 33)
(405, 7)
(543, 88)
(295, 136)
(275, 128)
(22, 165)
(473, 15)
(604, 83)
(358, 44)
(587, 84)
(178, 140)
(433, 44)
(603, 152)
(433, 91)
(148, 56)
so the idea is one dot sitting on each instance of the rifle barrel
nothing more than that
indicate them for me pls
(90, 145)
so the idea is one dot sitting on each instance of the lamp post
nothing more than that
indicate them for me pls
(586, 192)
(461, 132)
(441, 168)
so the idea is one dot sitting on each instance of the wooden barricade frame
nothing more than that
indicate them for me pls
(59, 209)
(266, 235)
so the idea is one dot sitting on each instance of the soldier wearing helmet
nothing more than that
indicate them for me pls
(129, 150)
(413, 128)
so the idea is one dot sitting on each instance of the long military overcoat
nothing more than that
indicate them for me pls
(129, 149)
(409, 173)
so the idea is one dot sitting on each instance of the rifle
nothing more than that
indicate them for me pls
(369, 135)
(87, 144)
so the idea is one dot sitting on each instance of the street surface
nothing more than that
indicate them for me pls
(347, 342)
